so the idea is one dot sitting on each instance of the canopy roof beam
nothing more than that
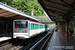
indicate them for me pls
(57, 3)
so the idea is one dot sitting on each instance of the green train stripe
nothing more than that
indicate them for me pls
(34, 26)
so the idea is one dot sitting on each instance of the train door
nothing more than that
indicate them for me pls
(45, 27)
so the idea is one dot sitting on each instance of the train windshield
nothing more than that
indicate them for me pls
(21, 24)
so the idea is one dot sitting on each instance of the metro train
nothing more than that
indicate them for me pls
(25, 29)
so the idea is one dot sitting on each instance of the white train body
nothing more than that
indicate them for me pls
(27, 29)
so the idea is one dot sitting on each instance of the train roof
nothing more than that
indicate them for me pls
(29, 21)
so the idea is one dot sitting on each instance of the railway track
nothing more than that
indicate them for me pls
(9, 46)
(27, 45)
(33, 42)
(18, 45)
(42, 44)
(39, 43)
(15, 47)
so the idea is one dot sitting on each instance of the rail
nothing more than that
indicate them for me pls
(43, 38)
(45, 41)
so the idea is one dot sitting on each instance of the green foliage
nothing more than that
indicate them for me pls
(26, 6)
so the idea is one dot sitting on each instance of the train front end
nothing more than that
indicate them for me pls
(20, 29)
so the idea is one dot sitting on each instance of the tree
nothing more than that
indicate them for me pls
(26, 6)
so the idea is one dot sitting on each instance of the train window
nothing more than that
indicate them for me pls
(44, 26)
(40, 26)
(33, 25)
(21, 24)
(36, 26)
(30, 26)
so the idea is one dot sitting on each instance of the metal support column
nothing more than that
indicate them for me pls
(67, 32)
(64, 29)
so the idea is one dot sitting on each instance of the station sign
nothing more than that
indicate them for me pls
(60, 19)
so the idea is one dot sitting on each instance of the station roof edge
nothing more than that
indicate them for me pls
(11, 9)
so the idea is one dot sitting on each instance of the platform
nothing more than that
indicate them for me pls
(59, 42)
(4, 38)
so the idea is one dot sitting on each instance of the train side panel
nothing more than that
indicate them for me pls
(35, 32)
(35, 28)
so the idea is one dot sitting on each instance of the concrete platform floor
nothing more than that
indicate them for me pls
(59, 42)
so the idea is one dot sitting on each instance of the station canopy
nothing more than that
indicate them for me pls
(9, 12)
(59, 10)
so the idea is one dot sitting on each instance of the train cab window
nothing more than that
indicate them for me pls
(21, 24)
